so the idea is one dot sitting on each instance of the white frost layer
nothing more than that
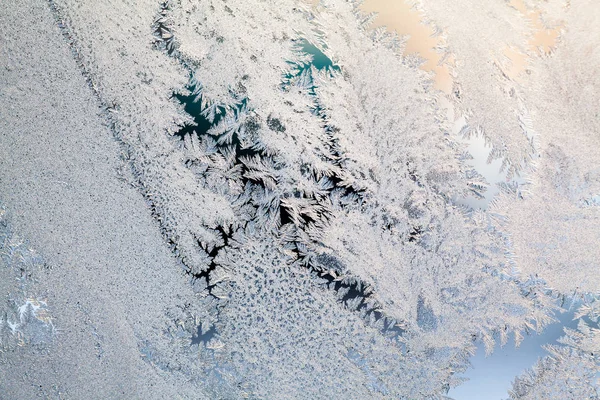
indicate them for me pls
(555, 229)
(135, 82)
(491, 103)
(109, 274)
(371, 124)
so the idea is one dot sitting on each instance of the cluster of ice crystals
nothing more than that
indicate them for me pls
(310, 199)
(570, 371)
(24, 318)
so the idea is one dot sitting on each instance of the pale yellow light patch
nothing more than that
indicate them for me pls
(313, 3)
(542, 42)
(517, 62)
(397, 16)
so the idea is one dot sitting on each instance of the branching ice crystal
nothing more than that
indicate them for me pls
(24, 318)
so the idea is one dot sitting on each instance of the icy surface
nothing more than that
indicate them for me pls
(490, 377)
(270, 199)
(25, 318)
(555, 227)
(107, 275)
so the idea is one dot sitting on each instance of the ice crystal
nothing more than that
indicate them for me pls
(24, 318)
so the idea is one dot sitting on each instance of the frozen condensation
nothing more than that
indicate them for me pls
(304, 169)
